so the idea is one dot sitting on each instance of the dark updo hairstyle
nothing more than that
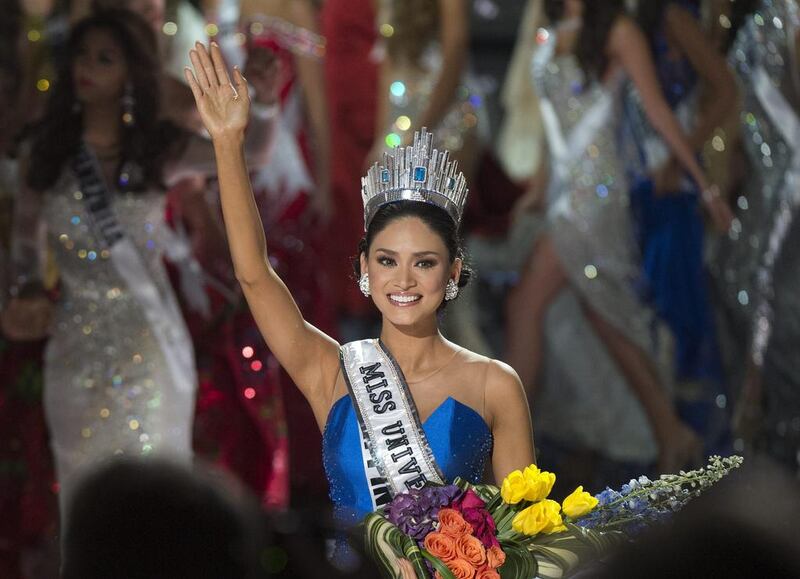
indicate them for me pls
(598, 18)
(434, 217)
(56, 138)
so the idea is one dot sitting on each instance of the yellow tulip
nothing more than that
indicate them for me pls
(541, 517)
(578, 503)
(514, 488)
(539, 483)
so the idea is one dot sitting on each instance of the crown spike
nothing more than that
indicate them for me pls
(416, 173)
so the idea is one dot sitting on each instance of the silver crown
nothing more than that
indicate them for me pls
(415, 173)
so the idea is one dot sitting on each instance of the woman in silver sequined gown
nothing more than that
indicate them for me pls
(118, 379)
(757, 268)
(590, 245)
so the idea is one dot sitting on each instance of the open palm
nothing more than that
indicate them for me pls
(224, 105)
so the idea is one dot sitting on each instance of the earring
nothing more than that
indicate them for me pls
(363, 284)
(450, 291)
(128, 103)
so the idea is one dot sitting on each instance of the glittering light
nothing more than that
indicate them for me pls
(34, 35)
(137, 358)
(765, 150)
(249, 393)
(403, 123)
(42, 85)
(542, 35)
(240, 38)
(170, 28)
(86, 432)
(778, 23)
(722, 401)
(742, 203)
(724, 21)
(63, 238)
(105, 413)
(759, 20)
(470, 120)
(256, 28)
(387, 30)
(590, 271)
(393, 140)
(75, 220)
(78, 195)
(256, 365)
(397, 88)
(248, 352)
(116, 380)
(486, 9)
(92, 255)
(602, 191)
(750, 119)
(475, 101)
(212, 29)
(82, 253)
(127, 118)
(743, 298)
(718, 144)
(133, 424)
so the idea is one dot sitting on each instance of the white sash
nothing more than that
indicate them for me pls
(787, 123)
(161, 311)
(567, 149)
(394, 448)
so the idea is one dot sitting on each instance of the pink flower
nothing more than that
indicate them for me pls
(473, 510)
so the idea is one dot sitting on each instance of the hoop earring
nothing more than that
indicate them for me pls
(128, 104)
(450, 290)
(363, 284)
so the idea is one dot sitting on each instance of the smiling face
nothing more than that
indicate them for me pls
(409, 266)
(99, 70)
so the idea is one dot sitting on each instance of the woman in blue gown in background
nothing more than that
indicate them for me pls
(665, 205)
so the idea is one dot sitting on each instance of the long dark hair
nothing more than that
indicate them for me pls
(56, 138)
(432, 216)
(598, 18)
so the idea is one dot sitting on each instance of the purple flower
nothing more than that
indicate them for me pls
(416, 512)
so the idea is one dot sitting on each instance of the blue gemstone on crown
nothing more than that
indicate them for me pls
(385, 176)
(451, 182)
(419, 174)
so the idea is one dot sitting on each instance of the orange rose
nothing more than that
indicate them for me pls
(471, 549)
(441, 546)
(461, 569)
(452, 523)
(495, 557)
(487, 573)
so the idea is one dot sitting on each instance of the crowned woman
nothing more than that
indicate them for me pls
(410, 407)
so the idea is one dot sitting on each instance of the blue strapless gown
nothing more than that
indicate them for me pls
(459, 438)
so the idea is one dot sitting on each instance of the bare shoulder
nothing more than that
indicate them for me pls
(498, 378)
(624, 31)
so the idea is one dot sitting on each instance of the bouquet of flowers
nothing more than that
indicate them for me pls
(465, 531)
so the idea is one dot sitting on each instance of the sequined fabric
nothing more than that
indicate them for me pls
(458, 436)
(108, 390)
(410, 90)
(589, 212)
(757, 269)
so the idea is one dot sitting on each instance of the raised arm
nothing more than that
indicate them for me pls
(309, 356)
(454, 36)
(629, 48)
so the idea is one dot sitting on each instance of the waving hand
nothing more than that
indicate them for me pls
(224, 105)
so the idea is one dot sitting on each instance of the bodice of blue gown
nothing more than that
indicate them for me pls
(458, 436)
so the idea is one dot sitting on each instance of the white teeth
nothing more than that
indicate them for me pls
(403, 299)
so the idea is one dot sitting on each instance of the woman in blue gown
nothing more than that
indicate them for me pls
(665, 204)
(411, 407)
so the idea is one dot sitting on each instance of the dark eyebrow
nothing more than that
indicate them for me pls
(417, 254)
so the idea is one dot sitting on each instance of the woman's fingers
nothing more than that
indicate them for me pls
(189, 76)
(239, 82)
(208, 66)
(219, 65)
(199, 70)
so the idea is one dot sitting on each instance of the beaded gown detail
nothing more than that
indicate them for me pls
(757, 269)
(589, 222)
(459, 438)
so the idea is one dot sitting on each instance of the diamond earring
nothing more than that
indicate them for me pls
(363, 284)
(450, 291)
